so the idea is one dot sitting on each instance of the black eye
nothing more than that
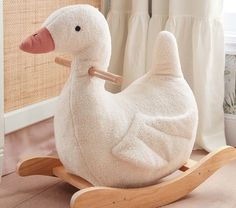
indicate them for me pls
(77, 28)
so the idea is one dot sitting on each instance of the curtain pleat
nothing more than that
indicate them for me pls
(160, 13)
(118, 18)
(135, 51)
(198, 29)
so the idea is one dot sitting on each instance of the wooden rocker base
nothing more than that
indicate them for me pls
(194, 173)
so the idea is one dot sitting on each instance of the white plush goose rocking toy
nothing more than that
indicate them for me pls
(129, 140)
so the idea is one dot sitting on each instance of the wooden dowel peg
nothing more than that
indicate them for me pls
(116, 79)
(63, 62)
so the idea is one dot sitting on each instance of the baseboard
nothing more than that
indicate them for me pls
(29, 115)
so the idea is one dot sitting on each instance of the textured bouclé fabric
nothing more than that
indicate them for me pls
(129, 139)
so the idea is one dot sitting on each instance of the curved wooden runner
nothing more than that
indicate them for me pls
(195, 173)
(156, 195)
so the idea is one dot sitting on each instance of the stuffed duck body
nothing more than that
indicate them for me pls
(129, 139)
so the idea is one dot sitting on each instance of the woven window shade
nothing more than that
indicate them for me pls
(30, 78)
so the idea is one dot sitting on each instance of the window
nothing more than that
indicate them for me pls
(230, 26)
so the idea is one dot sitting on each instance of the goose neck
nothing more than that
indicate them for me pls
(80, 71)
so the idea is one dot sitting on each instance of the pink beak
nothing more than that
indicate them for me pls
(40, 42)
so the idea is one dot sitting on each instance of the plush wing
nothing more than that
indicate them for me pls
(151, 141)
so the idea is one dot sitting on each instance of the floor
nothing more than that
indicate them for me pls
(219, 191)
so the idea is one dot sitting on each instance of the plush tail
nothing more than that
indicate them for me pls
(165, 60)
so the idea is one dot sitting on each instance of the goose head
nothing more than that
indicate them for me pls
(80, 30)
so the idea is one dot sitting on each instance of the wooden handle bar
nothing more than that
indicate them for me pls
(116, 79)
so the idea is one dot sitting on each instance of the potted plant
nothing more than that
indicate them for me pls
(230, 99)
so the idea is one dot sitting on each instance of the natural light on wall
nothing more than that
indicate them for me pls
(230, 25)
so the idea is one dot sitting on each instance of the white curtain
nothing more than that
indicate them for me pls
(117, 19)
(198, 29)
(160, 13)
(135, 50)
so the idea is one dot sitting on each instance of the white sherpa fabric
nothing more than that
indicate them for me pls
(129, 139)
